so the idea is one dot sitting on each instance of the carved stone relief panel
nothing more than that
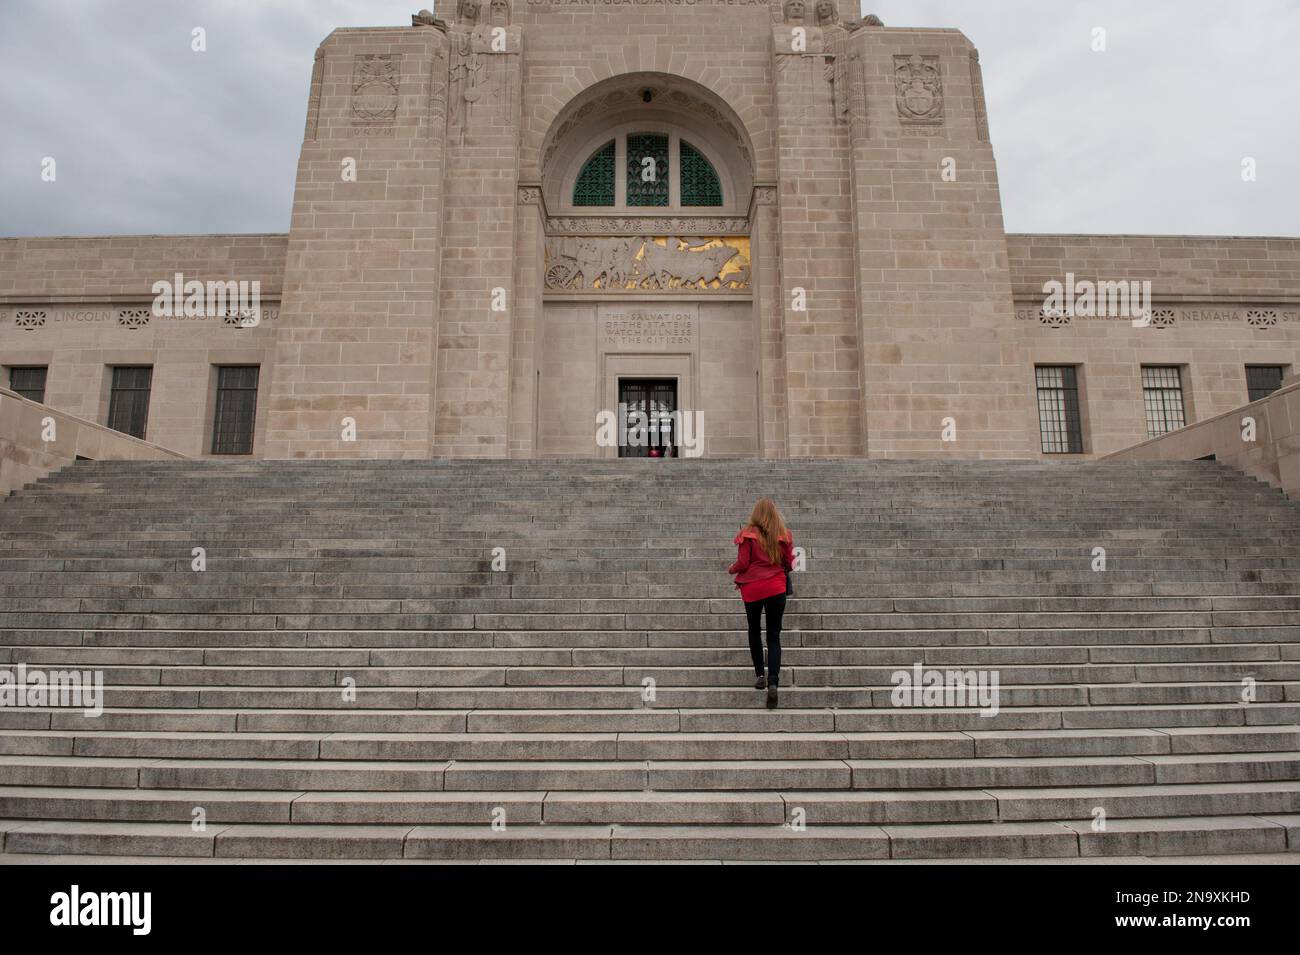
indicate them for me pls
(647, 263)
(313, 96)
(484, 68)
(977, 90)
(374, 88)
(918, 89)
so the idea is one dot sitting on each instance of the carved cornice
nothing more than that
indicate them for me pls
(647, 225)
(765, 195)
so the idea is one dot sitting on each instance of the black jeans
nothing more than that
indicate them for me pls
(754, 613)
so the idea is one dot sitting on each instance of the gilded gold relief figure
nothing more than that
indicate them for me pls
(680, 263)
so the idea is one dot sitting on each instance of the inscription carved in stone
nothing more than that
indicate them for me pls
(648, 330)
(918, 89)
(578, 263)
(126, 317)
(1258, 316)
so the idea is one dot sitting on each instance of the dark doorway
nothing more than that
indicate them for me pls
(647, 407)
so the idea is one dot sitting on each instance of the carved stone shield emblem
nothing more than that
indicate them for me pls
(918, 88)
(374, 88)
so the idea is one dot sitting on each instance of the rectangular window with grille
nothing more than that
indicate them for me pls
(28, 381)
(236, 409)
(1262, 380)
(128, 400)
(1059, 420)
(1162, 397)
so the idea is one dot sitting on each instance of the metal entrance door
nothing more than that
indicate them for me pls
(647, 407)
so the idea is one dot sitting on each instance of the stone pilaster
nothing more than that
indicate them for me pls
(817, 246)
(530, 253)
(477, 304)
(765, 251)
(937, 326)
(356, 327)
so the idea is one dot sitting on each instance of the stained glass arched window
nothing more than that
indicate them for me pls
(647, 169)
(700, 185)
(595, 183)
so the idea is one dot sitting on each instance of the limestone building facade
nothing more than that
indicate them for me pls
(771, 217)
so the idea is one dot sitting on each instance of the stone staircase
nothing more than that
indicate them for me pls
(350, 679)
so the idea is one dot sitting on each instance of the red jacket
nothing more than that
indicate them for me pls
(756, 576)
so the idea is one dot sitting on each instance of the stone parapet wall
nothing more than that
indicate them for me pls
(124, 267)
(1262, 439)
(1180, 268)
(36, 440)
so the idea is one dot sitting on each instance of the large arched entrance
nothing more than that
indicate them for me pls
(647, 312)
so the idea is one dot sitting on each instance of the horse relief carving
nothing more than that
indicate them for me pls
(682, 263)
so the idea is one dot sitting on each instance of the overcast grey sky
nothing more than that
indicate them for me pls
(1149, 136)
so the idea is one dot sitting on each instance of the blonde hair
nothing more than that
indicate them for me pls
(766, 519)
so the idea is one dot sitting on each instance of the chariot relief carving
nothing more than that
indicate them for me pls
(654, 263)
(918, 89)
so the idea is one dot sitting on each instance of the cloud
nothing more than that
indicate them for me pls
(152, 137)
(1148, 136)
